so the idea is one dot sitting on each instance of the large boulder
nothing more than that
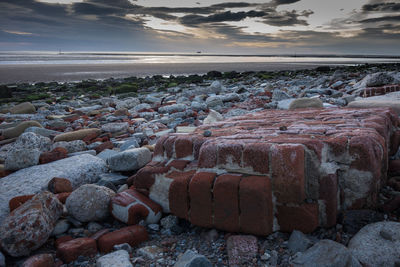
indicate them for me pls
(129, 160)
(33, 141)
(76, 135)
(377, 244)
(29, 226)
(79, 170)
(19, 129)
(89, 202)
(23, 108)
(306, 103)
(325, 253)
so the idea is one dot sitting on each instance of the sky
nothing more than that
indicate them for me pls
(231, 27)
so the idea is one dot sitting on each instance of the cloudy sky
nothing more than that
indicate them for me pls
(262, 27)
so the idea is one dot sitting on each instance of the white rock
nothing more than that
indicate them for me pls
(127, 103)
(213, 116)
(119, 258)
(129, 160)
(79, 170)
(377, 244)
(115, 127)
(89, 202)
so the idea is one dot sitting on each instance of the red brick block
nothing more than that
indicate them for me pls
(131, 207)
(179, 164)
(226, 202)
(367, 154)
(62, 197)
(256, 156)
(145, 177)
(201, 199)
(59, 185)
(133, 235)
(104, 146)
(178, 194)
(183, 146)
(71, 250)
(56, 154)
(40, 260)
(62, 239)
(287, 163)
(100, 233)
(208, 155)
(303, 218)
(328, 189)
(159, 148)
(229, 152)
(256, 208)
(169, 145)
(15, 202)
(197, 143)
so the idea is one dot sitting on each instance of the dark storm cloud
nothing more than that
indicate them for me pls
(285, 2)
(386, 7)
(381, 19)
(287, 18)
(193, 20)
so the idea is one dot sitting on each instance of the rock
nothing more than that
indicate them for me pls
(119, 258)
(372, 103)
(71, 250)
(89, 203)
(33, 141)
(114, 178)
(131, 207)
(325, 253)
(16, 202)
(214, 101)
(151, 252)
(104, 146)
(29, 226)
(19, 129)
(213, 116)
(23, 108)
(130, 143)
(284, 104)
(215, 87)
(40, 260)
(106, 154)
(354, 220)
(298, 242)
(72, 146)
(59, 185)
(207, 133)
(61, 227)
(127, 103)
(79, 170)
(21, 158)
(241, 249)
(54, 155)
(169, 222)
(89, 152)
(185, 129)
(375, 79)
(94, 227)
(278, 95)
(129, 160)
(2, 260)
(76, 135)
(172, 108)
(115, 127)
(41, 131)
(192, 259)
(306, 103)
(377, 244)
(133, 235)
(124, 246)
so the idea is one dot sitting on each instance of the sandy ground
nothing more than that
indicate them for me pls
(77, 72)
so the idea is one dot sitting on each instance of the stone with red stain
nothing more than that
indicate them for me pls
(29, 226)
(226, 202)
(40, 260)
(59, 185)
(242, 250)
(255, 198)
(104, 146)
(328, 189)
(287, 164)
(133, 235)
(201, 199)
(71, 250)
(178, 194)
(303, 217)
(56, 154)
(62, 239)
(131, 207)
(62, 197)
(15, 202)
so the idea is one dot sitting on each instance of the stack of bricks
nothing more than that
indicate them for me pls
(375, 91)
(273, 170)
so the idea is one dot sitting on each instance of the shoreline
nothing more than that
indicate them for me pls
(33, 73)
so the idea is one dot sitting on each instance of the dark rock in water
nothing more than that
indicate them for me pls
(354, 220)
(5, 92)
(323, 68)
(214, 74)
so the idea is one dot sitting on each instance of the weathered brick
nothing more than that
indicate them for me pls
(40, 260)
(178, 194)
(229, 153)
(208, 155)
(169, 145)
(15, 202)
(256, 156)
(256, 209)
(56, 154)
(59, 185)
(287, 163)
(201, 199)
(133, 235)
(226, 202)
(303, 218)
(71, 250)
(183, 146)
(179, 164)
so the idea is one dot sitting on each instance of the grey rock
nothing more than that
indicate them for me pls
(106, 154)
(71, 146)
(79, 170)
(284, 104)
(89, 202)
(119, 258)
(214, 101)
(41, 131)
(172, 108)
(372, 248)
(115, 127)
(90, 152)
(33, 141)
(23, 108)
(20, 158)
(150, 252)
(2, 260)
(236, 112)
(306, 103)
(129, 143)
(337, 84)
(89, 109)
(115, 178)
(230, 97)
(94, 227)
(213, 116)
(215, 87)
(140, 107)
(169, 222)
(129, 160)
(192, 259)
(154, 227)
(325, 253)
(127, 103)
(278, 95)
(198, 106)
(61, 227)
(378, 79)
(298, 242)
(123, 246)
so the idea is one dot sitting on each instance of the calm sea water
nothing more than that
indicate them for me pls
(13, 58)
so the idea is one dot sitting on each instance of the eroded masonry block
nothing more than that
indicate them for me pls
(273, 170)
